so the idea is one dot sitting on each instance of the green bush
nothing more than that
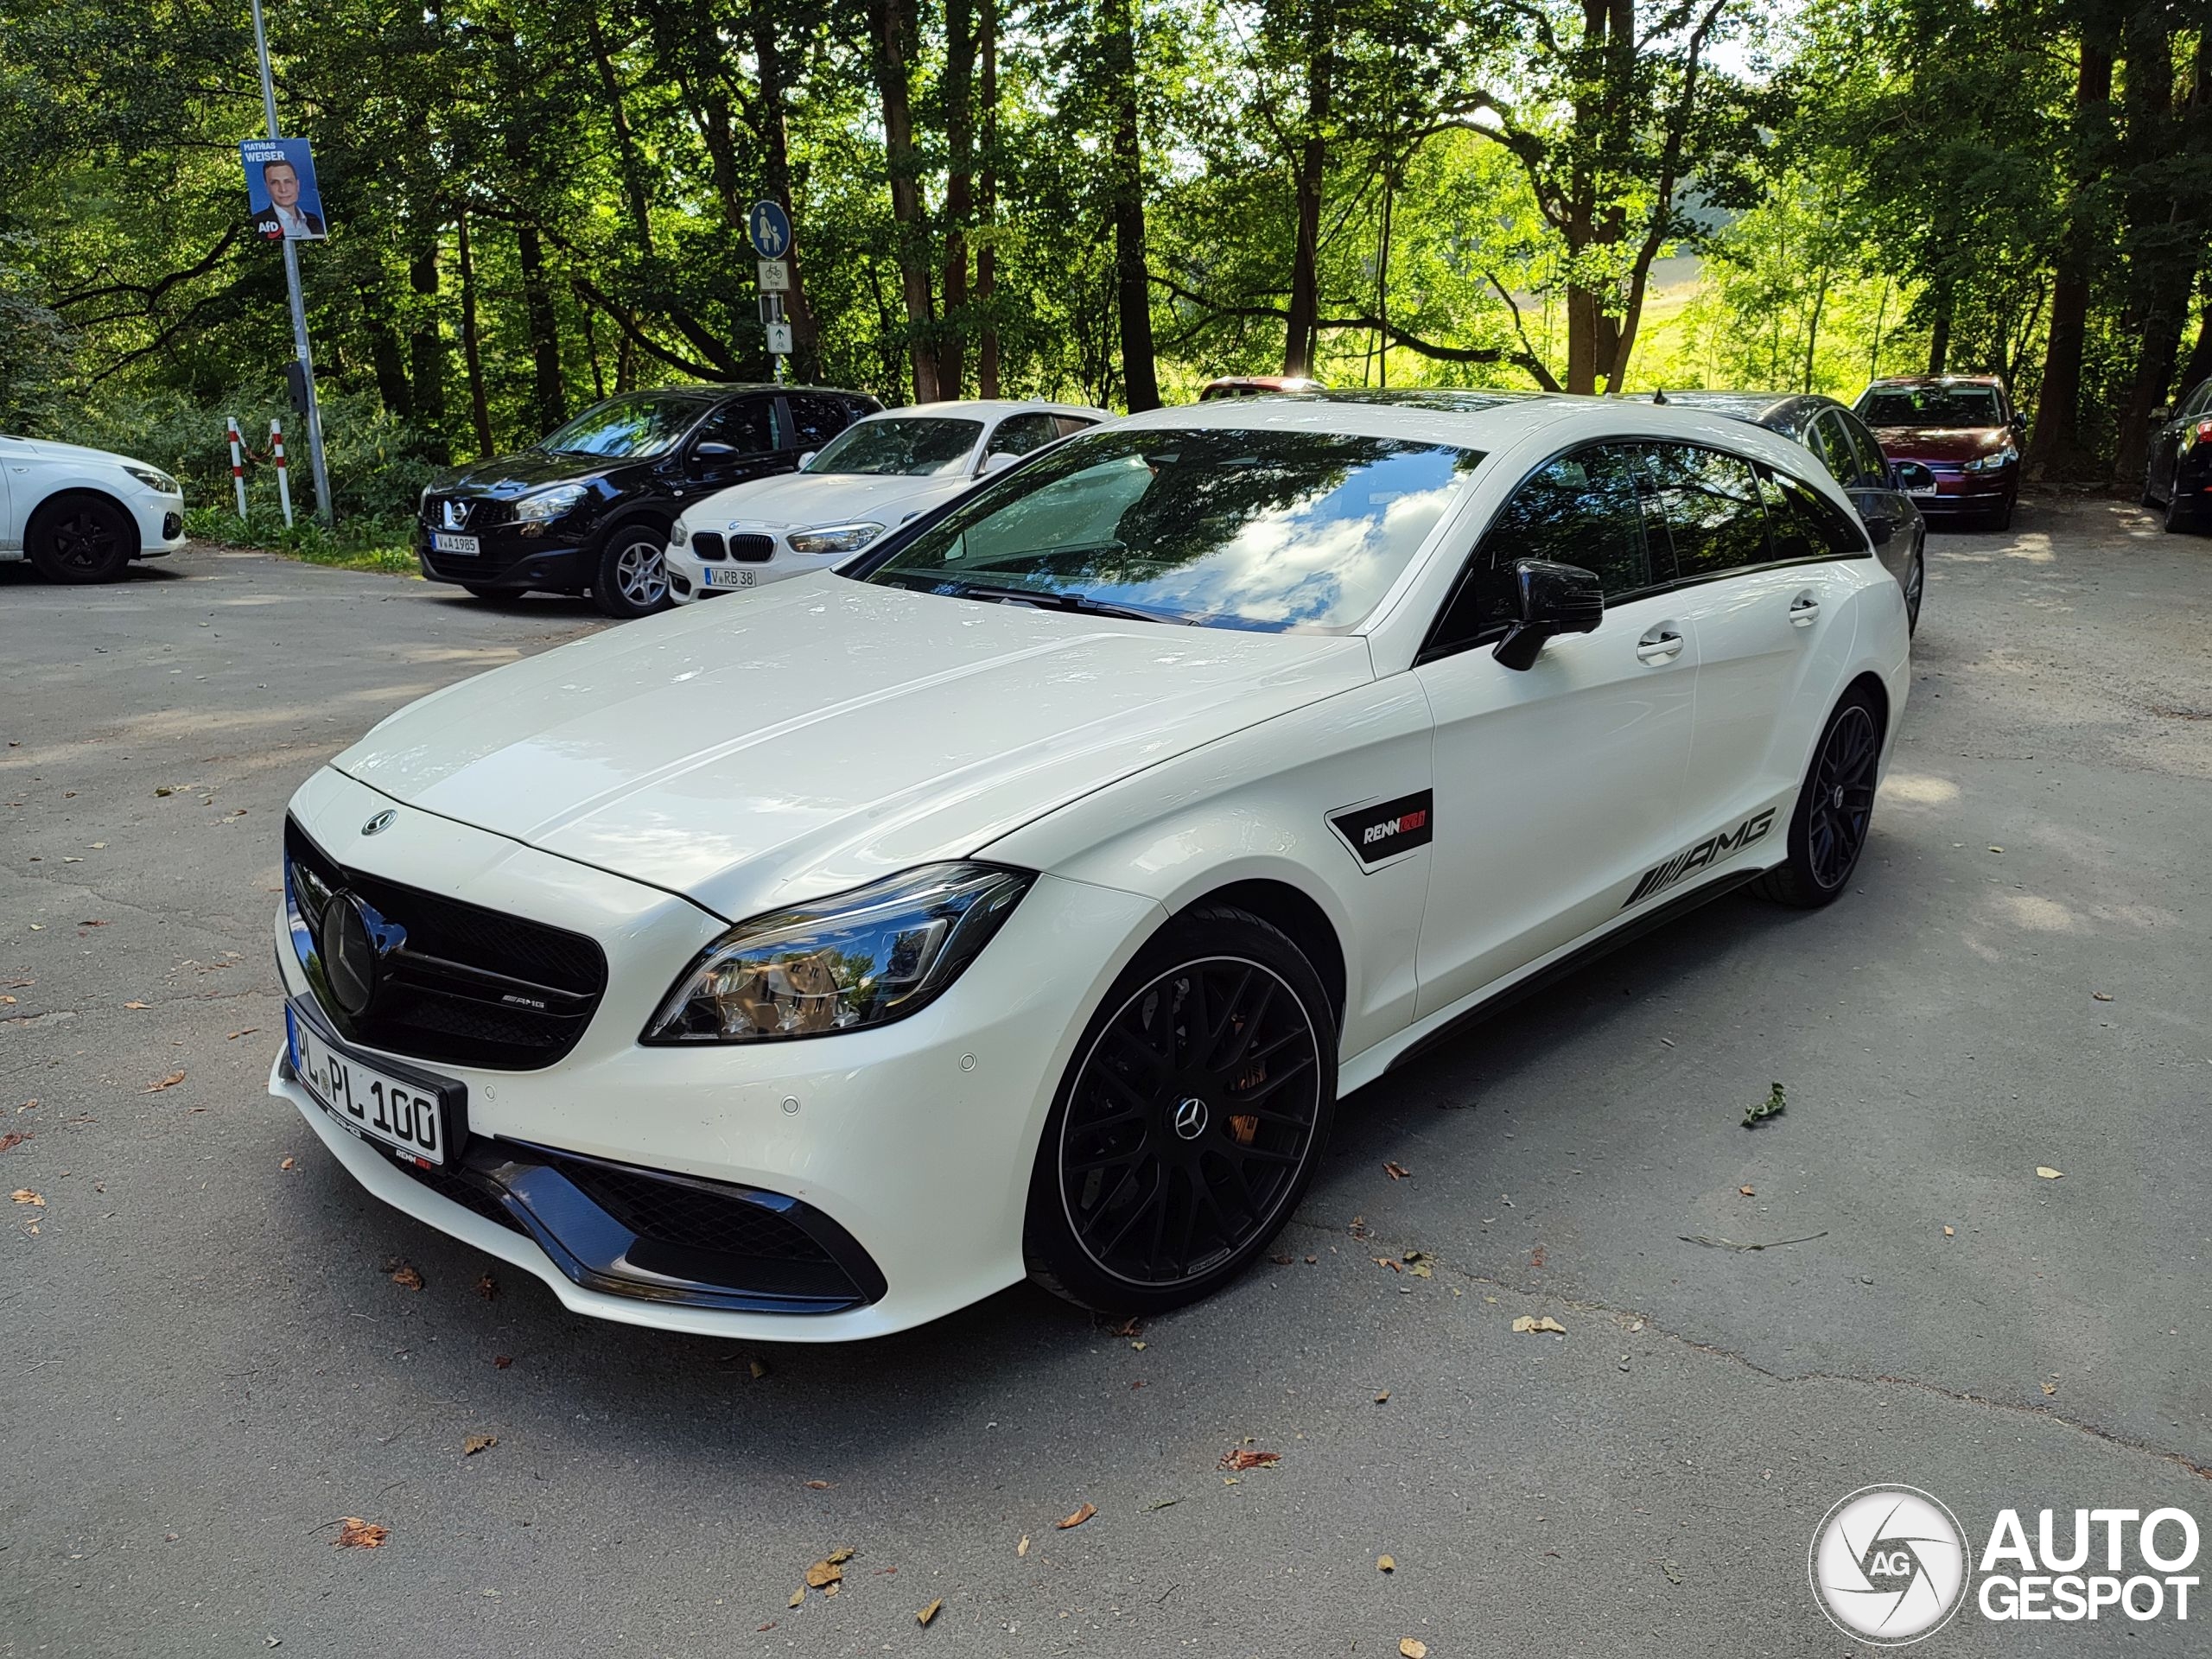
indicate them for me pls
(356, 544)
(378, 465)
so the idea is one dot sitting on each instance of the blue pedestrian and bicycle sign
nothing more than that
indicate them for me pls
(771, 230)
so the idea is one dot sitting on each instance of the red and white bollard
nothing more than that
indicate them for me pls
(237, 461)
(283, 483)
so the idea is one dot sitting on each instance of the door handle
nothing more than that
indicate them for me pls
(1661, 645)
(1804, 611)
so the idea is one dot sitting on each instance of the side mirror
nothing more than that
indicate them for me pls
(1911, 477)
(806, 458)
(712, 449)
(1554, 599)
(997, 462)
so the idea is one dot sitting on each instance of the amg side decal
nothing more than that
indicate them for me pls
(1387, 829)
(1709, 851)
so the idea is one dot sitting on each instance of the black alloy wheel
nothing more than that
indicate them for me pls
(82, 539)
(1827, 831)
(1191, 1120)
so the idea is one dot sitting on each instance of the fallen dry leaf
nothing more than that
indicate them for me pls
(798, 1597)
(1947, 1233)
(817, 1485)
(1021, 1549)
(1747, 1191)
(405, 1277)
(822, 1573)
(843, 1554)
(1244, 1458)
(13, 1139)
(289, 1163)
(1396, 1171)
(2051, 1388)
(1412, 1648)
(93, 924)
(930, 1611)
(24, 1195)
(2048, 1173)
(832, 1589)
(1130, 1327)
(235, 1035)
(1536, 1256)
(170, 1082)
(354, 1533)
(1081, 1516)
(476, 1443)
(487, 1288)
(500, 1362)
(2101, 996)
(1385, 1564)
(127, 1005)
(9, 1000)
(1542, 1322)
(1383, 1398)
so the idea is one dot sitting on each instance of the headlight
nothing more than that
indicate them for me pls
(536, 507)
(1991, 463)
(834, 539)
(679, 533)
(861, 958)
(154, 479)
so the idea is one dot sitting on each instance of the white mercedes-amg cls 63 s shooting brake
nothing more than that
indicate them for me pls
(1022, 899)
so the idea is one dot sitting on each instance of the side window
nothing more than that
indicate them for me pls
(1873, 465)
(1806, 523)
(748, 426)
(1018, 434)
(1581, 509)
(2198, 402)
(1826, 439)
(816, 420)
(1711, 504)
(1072, 423)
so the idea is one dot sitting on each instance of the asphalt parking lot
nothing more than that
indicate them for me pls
(206, 1362)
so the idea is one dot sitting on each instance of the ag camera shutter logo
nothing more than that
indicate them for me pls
(1889, 1565)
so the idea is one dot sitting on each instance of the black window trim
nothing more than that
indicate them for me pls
(1430, 651)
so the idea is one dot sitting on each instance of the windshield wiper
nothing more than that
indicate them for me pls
(1081, 604)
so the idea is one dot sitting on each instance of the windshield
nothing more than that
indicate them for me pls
(1266, 529)
(1931, 406)
(904, 447)
(642, 425)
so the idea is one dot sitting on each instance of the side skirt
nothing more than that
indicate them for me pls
(1448, 1024)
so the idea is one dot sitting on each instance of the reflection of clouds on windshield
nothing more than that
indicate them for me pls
(1324, 560)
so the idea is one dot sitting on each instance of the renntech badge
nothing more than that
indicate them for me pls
(1387, 828)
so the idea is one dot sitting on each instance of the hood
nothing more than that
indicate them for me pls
(46, 449)
(506, 476)
(1952, 443)
(804, 500)
(818, 733)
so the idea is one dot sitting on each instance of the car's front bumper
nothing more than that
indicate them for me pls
(915, 1139)
(160, 519)
(512, 558)
(687, 577)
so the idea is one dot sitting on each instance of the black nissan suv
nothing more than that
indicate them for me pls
(589, 507)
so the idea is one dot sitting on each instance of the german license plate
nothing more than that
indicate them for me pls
(444, 541)
(412, 1118)
(725, 578)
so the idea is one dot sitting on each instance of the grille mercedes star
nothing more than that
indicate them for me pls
(454, 982)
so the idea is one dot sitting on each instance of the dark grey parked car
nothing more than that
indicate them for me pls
(2180, 476)
(1879, 488)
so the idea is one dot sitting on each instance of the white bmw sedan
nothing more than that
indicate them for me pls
(877, 474)
(1022, 899)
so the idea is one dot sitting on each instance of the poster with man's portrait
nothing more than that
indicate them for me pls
(280, 196)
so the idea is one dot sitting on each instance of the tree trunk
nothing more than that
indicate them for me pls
(892, 24)
(1132, 283)
(633, 183)
(958, 92)
(386, 361)
(472, 351)
(1939, 329)
(987, 260)
(767, 51)
(2164, 257)
(1299, 332)
(2056, 446)
(426, 349)
(550, 392)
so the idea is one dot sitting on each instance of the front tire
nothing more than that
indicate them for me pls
(1827, 831)
(1190, 1122)
(633, 575)
(81, 539)
(2179, 512)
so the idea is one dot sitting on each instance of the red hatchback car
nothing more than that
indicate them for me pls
(1963, 429)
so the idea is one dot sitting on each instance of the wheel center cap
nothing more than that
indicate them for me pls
(1189, 1117)
(1838, 799)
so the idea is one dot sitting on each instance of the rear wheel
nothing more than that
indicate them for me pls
(632, 579)
(1827, 831)
(1191, 1119)
(81, 539)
